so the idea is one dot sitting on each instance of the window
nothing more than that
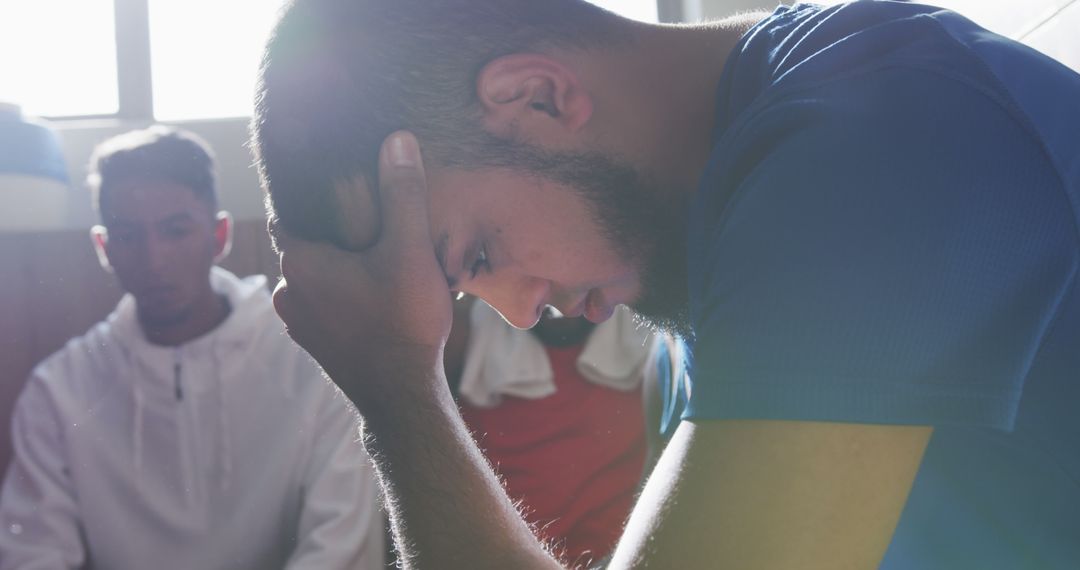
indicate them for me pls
(642, 10)
(205, 55)
(58, 57)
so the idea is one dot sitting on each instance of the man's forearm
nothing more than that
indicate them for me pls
(446, 506)
(376, 319)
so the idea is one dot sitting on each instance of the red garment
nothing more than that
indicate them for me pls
(573, 459)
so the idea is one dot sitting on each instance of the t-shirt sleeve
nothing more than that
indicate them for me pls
(889, 248)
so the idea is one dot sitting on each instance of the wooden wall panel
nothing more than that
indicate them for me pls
(52, 289)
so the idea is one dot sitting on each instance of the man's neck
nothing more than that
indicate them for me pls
(205, 316)
(691, 60)
(668, 79)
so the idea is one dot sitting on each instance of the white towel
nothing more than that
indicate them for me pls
(503, 361)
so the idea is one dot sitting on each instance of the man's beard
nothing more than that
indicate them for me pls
(641, 222)
(646, 229)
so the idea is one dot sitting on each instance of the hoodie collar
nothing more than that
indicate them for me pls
(248, 299)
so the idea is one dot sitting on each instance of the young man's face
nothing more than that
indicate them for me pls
(583, 248)
(161, 245)
(540, 243)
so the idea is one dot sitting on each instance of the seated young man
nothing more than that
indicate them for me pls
(186, 430)
(558, 412)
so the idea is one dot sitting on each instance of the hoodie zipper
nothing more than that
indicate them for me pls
(177, 385)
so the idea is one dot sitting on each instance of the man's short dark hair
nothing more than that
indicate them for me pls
(338, 76)
(154, 153)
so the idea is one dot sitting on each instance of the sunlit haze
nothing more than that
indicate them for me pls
(58, 57)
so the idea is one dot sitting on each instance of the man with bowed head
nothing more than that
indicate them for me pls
(862, 219)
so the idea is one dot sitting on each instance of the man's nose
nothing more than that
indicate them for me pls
(521, 304)
(155, 253)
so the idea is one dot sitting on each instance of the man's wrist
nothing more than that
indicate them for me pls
(387, 385)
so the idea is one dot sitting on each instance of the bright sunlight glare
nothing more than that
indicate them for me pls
(205, 56)
(58, 57)
(641, 10)
(205, 53)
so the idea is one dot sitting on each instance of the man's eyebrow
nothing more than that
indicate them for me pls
(441, 246)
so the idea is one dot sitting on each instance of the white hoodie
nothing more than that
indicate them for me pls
(230, 451)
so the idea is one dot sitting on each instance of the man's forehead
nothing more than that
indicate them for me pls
(127, 219)
(142, 185)
(136, 201)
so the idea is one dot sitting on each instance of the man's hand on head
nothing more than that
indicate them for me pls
(368, 316)
(377, 320)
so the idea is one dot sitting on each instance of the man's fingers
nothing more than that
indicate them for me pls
(309, 272)
(283, 242)
(283, 304)
(403, 192)
(310, 262)
(273, 227)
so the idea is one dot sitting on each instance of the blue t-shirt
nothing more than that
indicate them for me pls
(887, 233)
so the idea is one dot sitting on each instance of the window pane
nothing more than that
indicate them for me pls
(205, 55)
(642, 10)
(58, 57)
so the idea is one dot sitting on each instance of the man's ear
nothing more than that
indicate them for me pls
(223, 235)
(99, 236)
(532, 97)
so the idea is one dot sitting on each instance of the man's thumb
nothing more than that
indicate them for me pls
(403, 190)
